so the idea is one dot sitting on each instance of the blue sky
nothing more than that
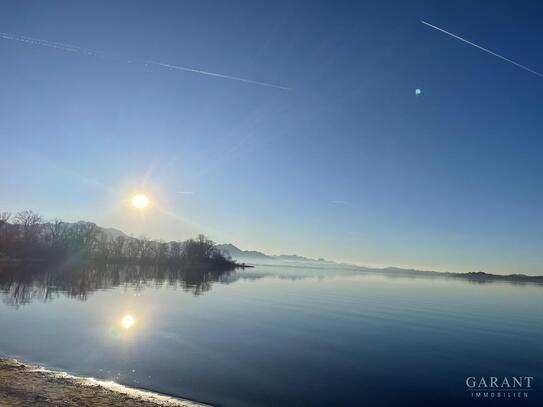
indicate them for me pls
(349, 165)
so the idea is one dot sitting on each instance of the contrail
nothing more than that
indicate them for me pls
(483, 49)
(91, 52)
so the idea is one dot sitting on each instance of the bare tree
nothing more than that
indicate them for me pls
(146, 248)
(134, 249)
(103, 246)
(83, 238)
(175, 250)
(199, 249)
(28, 222)
(4, 218)
(117, 247)
(56, 234)
(5, 238)
(161, 251)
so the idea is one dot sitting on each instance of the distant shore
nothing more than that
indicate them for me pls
(28, 385)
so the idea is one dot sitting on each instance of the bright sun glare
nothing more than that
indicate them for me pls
(127, 321)
(140, 201)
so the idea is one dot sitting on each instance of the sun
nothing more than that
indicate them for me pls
(140, 201)
(127, 321)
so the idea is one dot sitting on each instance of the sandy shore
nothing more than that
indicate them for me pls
(27, 385)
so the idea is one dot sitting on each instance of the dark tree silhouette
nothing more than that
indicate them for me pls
(29, 226)
(29, 238)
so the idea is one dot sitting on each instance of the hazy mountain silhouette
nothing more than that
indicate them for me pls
(294, 260)
(239, 254)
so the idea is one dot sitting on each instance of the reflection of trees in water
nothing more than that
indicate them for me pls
(28, 283)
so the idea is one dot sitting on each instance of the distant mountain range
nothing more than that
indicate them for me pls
(299, 261)
(238, 254)
(235, 252)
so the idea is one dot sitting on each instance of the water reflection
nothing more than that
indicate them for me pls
(127, 321)
(28, 283)
(36, 282)
(280, 336)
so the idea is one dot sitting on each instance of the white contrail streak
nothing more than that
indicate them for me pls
(218, 75)
(483, 49)
(91, 52)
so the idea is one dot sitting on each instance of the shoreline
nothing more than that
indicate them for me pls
(23, 384)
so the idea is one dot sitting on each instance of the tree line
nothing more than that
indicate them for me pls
(26, 236)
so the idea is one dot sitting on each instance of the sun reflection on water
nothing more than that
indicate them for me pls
(127, 321)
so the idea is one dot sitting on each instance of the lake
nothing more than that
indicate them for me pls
(277, 335)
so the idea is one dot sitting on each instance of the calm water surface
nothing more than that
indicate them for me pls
(277, 336)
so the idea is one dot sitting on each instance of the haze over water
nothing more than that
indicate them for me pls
(276, 335)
